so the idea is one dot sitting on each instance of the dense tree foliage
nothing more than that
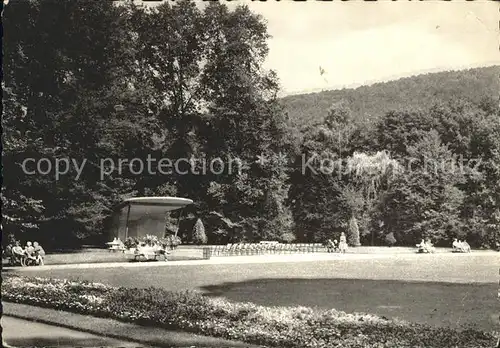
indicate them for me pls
(434, 175)
(99, 83)
(94, 85)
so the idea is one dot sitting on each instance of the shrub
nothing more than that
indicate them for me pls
(130, 242)
(271, 326)
(288, 237)
(353, 232)
(171, 241)
(199, 235)
(390, 239)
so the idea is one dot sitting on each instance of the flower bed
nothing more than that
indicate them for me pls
(271, 326)
(169, 242)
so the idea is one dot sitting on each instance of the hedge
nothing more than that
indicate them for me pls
(271, 326)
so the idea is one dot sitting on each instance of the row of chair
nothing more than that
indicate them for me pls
(264, 249)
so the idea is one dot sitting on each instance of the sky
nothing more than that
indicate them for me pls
(357, 42)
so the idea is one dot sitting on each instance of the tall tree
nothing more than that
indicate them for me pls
(425, 202)
(65, 65)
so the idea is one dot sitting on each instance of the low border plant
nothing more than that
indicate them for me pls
(271, 326)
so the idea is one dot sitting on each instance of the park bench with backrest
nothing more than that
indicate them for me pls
(269, 248)
(248, 249)
(220, 249)
(253, 249)
(31, 255)
(281, 248)
(233, 250)
(116, 245)
(225, 249)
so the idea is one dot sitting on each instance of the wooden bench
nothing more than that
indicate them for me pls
(116, 249)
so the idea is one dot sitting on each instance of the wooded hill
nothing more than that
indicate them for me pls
(372, 101)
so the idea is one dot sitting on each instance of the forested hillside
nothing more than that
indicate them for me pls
(371, 102)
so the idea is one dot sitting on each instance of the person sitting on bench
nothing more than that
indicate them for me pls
(425, 246)
(464, 246)
(429, 246)
(17, 252)
(421, 246)
(39, 253)
(30, 251)
(330, 246)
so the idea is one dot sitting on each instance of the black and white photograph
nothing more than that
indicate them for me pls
(245, 174)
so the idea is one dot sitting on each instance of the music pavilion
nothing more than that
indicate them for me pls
(137, 217)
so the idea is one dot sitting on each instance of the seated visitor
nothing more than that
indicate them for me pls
(429, 246)
(466, 246)
(425, 246)
(17, 251)
(30, 251)
(329, 246)
(335, 245)
(39, 253)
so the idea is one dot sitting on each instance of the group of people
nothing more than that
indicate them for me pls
(425, 246)
(32, 251)
(337, 246)
(460, 246)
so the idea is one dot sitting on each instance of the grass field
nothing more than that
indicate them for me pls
(439, 289)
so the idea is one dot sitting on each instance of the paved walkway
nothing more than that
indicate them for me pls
(24, 333)
(253, 259)
(27, 326)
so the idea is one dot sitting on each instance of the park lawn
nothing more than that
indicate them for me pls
(436, 304)
(439, 289)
